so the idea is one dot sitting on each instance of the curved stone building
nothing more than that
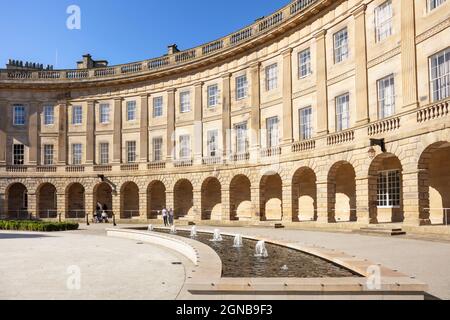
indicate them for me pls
(323, 112)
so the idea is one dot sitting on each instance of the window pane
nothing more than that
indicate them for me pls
(18, 154)
(185, 147)
(342, 112)
(272, 132)
(241, 87)
(76, 154)
(131, 110)
(213, 96)
(440, 75)
(104, 153)
(49, 116)
(241, 138)
(185, 102)
(306, 128)
(383, 21)
(271, 77)
(131, 151)
(77, 115)
(157, 149)
(48, 154)
(341, 46)
(304, 63)
(386, 97)
(19, 115)
(157, 107)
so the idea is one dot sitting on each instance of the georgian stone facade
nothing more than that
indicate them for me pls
(273, 122)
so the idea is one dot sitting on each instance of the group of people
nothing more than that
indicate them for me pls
(101, 213)
(168, 217)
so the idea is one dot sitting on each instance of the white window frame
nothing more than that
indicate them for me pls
(213, 95)
(77, 115)
(343, 112)
(383, 21)
(77, 154)
(131, 111)
(19, 115)
(386, 96)
(434, 4)
(104, 153)
(18, 159)
(272, 77)
(131, 151)
(212, 143)
(105, 113)
(341, 49)
(241, 131)
(273, 132)
(49, 150)
(158, 107)
(241, 87)
(185, 101)
(185, 147)
(306, 123)
(304, 63)
(49, 115)
(440, 75)
(389, 189)
(157, 143)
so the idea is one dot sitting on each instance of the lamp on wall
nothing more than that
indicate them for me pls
(101, 177)
(376, 142)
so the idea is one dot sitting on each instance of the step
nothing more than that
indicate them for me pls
(383, 231)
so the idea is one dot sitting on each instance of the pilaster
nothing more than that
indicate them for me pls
(117, 138)
(321, 83)
(144, 129)
(90, 133)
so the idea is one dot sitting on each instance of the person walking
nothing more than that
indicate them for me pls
(165, 217)
(171, 217)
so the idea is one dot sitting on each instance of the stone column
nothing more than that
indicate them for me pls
(90, 133)
(33, 133)
(3, 132)
(409, 58)
(287, 202)
(412, 202)
(32, 205)
(89, 203)
(362, 200)
(198, 124)
(196, 214)
(62, 137)
(117, 138)
(255, 102)
(288, 134)
(362, 96)
(226, 114)
(116, 205)
(144, 128)
(143, 205)
(61, 205)
(170, 199)
(321, 83)
(170, 125)
(226, 210)
(322, 202)
(256, 199)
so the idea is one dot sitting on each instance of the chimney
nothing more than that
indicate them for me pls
(173, 49)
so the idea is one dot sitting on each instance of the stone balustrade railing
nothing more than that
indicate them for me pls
(434, 111)
(74, 169)
(384, 126)
(260, 27)
(103, 168)
(183, 163)
(303, 146)
(156, 165)
(130, 167)
(212, 160)
(271, 152)
(341, 137)
(238, 157)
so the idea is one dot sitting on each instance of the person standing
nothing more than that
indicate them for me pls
(165, 217)
(171, 217)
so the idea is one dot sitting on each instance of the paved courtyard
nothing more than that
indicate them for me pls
(36, 265)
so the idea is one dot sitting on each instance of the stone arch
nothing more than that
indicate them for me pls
(156, 199)
(386, 189)
(75, 201)
(211, 202)
(434, 184)
(304, 195)
(16, 201)
(129, 200)
(46, 201)
(271, 197)
(342, 192)
(183, 193)
(241, 207)
(103, 195)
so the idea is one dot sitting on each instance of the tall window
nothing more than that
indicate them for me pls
(342, 112)
(49, 115)
(440, 75)
(77, 115)
(18, 154)
(185, 101)
(104, 153)
(157, 107)
(241, 87)
(389, 189)
(271, 77)
(213, 95)
(213, 137)
(386, 97)
(19, 115)
(104, 113)
(273, 136)
(131, 111)
(48, 154)
(304, 63)
(341, 46)
(383, 21)
(306, 127)
(433, 4)
(185, 147)
(157, 148)
(131, 151)
(241, 138)
(77, 154)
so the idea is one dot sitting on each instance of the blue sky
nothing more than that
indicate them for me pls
(118, 31)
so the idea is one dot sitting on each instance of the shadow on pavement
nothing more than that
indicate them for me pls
(6, 236)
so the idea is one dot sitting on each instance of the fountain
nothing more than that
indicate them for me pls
(261, 251)
(150, 228)
(194, 232)
(173, 230)
(217, 236)
(238, 243)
